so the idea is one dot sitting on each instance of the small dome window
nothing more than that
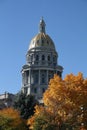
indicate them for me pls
(37, 57)
(48, 58)
(48, 42)
(43, 57)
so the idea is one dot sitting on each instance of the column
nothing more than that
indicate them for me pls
(29, 87)
(39, 77)
(30, 76)
(47, 76)
(22, 78)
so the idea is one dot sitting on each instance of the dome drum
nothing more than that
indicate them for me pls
(42, 58)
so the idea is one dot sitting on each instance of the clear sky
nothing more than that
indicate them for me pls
(66, 24)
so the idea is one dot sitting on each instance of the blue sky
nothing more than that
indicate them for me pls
(66, 23)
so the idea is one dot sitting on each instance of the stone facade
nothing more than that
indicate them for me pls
(42, 64)
(6, 100)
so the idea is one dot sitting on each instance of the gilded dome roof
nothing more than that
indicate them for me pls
(41, 39)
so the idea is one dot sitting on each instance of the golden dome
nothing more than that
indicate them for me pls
(41, 39)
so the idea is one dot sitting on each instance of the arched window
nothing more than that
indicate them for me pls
(36, 78)
(43, 57)
(48, 58)
(37, 57)
(43, 79)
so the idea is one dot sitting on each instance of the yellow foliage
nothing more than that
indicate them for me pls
(63, 100)
(14, 116)
(11, 113)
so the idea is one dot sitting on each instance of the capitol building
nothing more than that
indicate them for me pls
(41, 64)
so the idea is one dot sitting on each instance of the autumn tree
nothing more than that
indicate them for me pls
(44, 119)
(65, 101)
(10, 120)
(25, 104)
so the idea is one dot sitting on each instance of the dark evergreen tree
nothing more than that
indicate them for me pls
(25, 104)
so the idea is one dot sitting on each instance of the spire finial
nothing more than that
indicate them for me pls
(42, 26)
